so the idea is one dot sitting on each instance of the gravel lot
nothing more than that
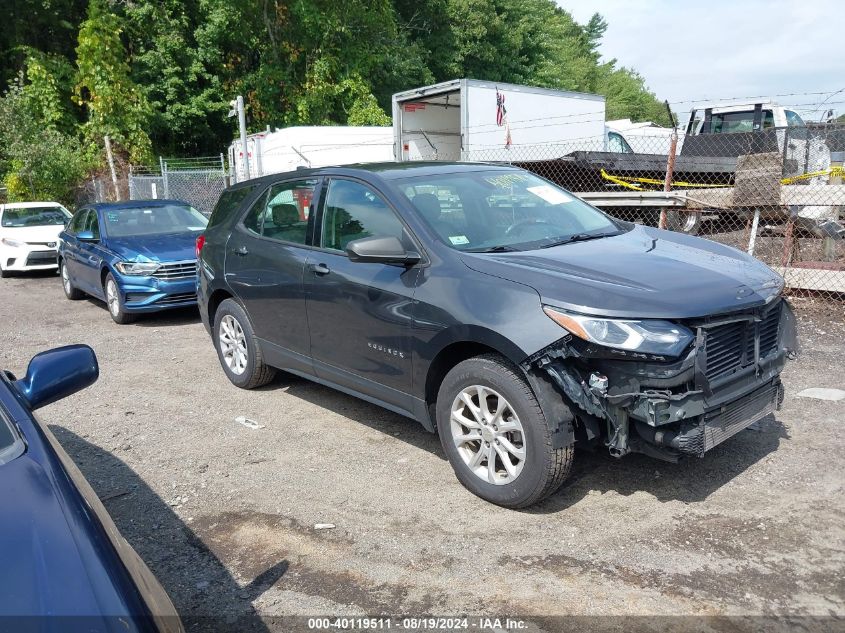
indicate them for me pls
(224, 515)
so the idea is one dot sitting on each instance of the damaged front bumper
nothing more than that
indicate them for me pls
(727, 380)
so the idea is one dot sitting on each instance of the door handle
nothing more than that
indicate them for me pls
(243, 250)
(320, 269)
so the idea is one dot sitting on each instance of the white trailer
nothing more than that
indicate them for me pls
(286, 149)
(467, 120)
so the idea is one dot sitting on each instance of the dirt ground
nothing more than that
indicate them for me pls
(224, 515)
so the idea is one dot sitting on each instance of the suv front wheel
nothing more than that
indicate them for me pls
(238, 351)
(496, 436)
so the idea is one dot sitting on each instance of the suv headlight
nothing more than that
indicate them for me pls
(137, 268)
(647, 336)
(10, 242)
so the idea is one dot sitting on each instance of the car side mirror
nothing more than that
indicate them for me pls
(385, 250)
(57, 373)
(86, 236)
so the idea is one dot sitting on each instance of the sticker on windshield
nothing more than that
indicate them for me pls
(550, 194)
(457, 240)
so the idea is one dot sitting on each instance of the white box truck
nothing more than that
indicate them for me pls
(310, 146)
(466, 119)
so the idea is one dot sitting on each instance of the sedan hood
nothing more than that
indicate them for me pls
(643, 273)
(169, 247)
(33, 234)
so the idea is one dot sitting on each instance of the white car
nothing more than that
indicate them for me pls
(29, 235)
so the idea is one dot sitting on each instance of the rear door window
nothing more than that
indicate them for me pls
(283, 212)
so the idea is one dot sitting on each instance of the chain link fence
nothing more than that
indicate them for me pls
(774, 192)
(197, 181)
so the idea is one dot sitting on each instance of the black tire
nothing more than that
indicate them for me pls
(71, 292)
(118, 313)
(545, 468)
(255, 372)
(3, 274)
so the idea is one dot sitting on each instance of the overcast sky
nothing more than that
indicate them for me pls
(727, 48)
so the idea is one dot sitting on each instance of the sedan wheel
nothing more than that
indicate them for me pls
(116, 309)
(488, 435)
(67, 285)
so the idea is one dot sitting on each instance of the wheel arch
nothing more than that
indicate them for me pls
(558, 415)
(217, 297)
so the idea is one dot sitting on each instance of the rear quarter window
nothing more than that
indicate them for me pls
(228, 204)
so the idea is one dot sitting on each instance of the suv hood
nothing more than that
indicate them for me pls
(170, 247)
(643, 273)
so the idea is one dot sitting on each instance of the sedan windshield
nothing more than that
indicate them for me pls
(153, 220)
(34, 216)
(487, 211)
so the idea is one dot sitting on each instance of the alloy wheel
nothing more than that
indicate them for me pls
(488, 435)
(66, 279)
(112, 297)
(233, 344)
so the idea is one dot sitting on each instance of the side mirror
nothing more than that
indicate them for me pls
(386, 250)
(86, 236)
(58, 373)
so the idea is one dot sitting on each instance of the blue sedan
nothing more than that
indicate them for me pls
(137, 256)
(66, 568)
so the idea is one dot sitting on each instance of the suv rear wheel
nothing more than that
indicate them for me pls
(496, 436)
(239, 354)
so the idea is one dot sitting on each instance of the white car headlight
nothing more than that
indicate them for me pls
(648, 336)
(137, 268)
(8, 241)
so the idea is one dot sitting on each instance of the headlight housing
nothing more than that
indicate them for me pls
(137, 268)
(8, 241)
(648, 336)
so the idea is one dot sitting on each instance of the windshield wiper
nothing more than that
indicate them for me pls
(501, 248)
(579, 237)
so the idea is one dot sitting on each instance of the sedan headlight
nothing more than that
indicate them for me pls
(10, 242)
(137, 268)
(646, 336)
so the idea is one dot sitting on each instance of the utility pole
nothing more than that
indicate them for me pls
(238, 108)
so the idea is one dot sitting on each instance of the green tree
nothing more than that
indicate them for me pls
(38, 160)
(115, 106)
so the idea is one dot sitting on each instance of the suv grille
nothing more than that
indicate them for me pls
(177, 270)
(730, 347)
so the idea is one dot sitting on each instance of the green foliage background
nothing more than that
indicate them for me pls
(157, 75)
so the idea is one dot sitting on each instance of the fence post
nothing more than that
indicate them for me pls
(670, 165)
(164, 182)
(828, 243)
(223, 170)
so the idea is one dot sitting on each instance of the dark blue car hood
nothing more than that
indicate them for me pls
(642, 273)
(169, 247)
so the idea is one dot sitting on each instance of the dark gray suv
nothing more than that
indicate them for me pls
(497, 310)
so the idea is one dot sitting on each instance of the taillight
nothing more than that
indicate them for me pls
(200, 244)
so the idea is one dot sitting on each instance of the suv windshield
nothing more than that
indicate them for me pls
(503, 210)
(33, 216)
(153, 220)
